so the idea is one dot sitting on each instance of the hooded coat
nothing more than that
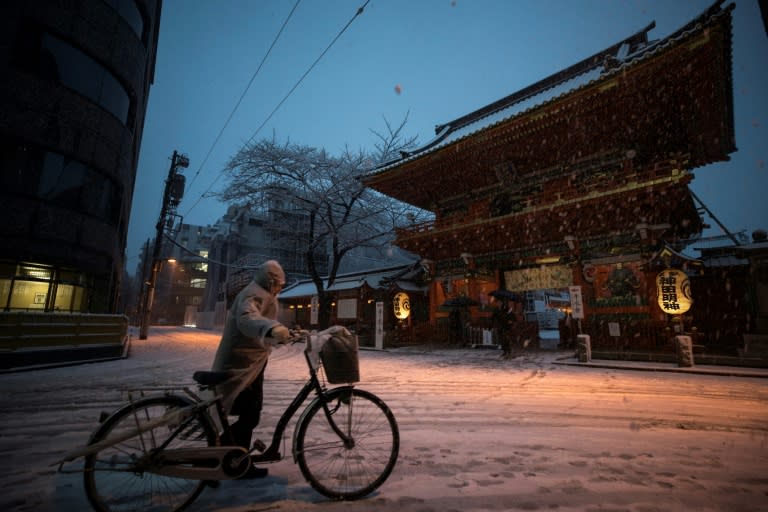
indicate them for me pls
(244, 348)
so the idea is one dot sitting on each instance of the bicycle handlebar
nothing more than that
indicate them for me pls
(298, 336)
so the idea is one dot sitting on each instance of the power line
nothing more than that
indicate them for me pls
(250, 82)
(296, 85)
(358, 13)
(204, 259)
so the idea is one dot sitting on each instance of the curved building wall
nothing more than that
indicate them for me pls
(74, 84)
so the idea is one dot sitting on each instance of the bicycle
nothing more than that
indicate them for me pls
(158, 453)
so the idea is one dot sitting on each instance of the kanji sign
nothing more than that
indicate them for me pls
(402, 306)
(577, 304)
(673, 291)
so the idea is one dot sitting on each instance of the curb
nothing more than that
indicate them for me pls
(717, 371)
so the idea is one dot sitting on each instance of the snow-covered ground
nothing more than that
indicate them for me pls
(477, 432)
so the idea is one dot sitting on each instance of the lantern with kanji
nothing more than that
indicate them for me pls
(402, 306)
(673, 291)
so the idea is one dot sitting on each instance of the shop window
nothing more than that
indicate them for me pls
(29, 288)
(64, 293)
(28, 295)
(36, 272)
(5, 290)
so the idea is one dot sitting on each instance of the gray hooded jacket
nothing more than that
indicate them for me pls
(243, 349)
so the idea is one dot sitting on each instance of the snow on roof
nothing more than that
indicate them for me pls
(375, 279)
(607, 63)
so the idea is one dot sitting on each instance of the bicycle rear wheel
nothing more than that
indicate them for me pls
(119, 478)
(352, 471)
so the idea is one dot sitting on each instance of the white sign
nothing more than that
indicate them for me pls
(347, 308)
(614, 329)
(379, 341)
(577, 305)
(315, 310)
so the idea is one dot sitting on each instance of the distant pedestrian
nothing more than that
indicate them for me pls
(503, 319)
(454, 326)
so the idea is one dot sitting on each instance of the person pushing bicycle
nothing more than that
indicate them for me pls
(250, 331)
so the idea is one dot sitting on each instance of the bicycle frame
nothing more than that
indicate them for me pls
(186, 415)
(272, 453)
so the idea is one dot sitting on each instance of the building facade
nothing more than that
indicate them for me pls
(576, 182)
(183, 276)
(74, 83)
(246, 237)
(380, 304)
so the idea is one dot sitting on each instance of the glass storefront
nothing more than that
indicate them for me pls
(32, 287)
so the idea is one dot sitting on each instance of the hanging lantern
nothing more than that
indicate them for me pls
(673, 291)
(402, 306)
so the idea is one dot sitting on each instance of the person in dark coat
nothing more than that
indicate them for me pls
(250, 331)
(454, 326)
(503, 320)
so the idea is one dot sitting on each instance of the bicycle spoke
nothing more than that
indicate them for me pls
(337, 469)
(120, 478)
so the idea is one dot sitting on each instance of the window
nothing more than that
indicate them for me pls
(31, 287)
(56, 179)
(202, 265)
(76, 70)
(129, 11)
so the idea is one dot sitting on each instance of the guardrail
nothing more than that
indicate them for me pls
(45, 339)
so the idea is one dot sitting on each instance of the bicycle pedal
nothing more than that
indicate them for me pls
(259, 445)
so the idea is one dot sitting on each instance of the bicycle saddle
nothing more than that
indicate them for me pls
(211, 378)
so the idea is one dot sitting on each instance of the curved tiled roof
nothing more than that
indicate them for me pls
(600, 66)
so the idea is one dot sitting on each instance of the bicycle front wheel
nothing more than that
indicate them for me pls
(119, 477)
(350, 470)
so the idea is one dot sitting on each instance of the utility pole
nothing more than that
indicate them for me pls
(174, 191)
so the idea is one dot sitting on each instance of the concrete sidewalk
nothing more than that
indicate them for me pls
(729, 371)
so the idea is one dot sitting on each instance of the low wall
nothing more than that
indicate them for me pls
(52, 339)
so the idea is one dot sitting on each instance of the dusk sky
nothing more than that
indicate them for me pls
(434, 60)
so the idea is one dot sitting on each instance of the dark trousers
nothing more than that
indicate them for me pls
(247, 407)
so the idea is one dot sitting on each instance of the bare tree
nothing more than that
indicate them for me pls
(340, 212)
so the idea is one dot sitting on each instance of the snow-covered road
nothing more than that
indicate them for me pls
(477, 432)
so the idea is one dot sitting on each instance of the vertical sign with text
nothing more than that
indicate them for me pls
(379, 325)
(314, 310)
(577, 305)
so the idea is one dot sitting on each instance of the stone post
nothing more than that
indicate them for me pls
(584, 348)
(684, 346)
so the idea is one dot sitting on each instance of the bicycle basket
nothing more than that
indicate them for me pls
(340, 359)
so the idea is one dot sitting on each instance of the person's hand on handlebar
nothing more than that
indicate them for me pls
(298, 336)
(280, 334)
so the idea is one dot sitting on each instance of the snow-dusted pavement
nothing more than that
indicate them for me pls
(477, 432)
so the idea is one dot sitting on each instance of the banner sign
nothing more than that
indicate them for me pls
(537, 278)
(577, 304)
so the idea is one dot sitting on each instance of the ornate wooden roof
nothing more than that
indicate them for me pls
(595, 221)
(630, 112)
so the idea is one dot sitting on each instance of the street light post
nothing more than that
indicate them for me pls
(174, 191)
